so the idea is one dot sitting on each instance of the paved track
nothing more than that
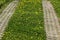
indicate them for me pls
(6, 15)
(52, 26)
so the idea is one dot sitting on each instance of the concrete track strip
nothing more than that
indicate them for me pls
(5, 16)
(6, 9)
(52, 26)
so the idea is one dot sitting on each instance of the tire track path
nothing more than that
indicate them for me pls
(6, 15)
(52, 26)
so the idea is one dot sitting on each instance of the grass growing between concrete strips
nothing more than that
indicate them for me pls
(27, 22)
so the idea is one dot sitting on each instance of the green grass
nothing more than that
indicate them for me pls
(3, 7)
(2, 1)
(56, 5)
(27, 22)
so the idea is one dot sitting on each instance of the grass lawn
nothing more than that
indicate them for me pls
(27, 22)
(56, 4)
